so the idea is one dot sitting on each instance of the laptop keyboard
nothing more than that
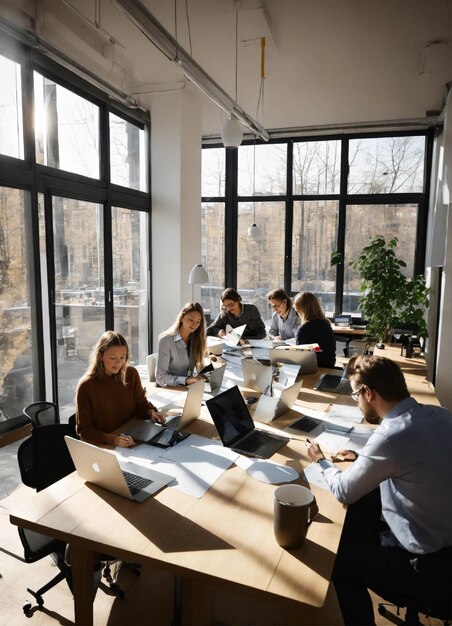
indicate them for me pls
(306, 424)
(136, 483)
(255, 440)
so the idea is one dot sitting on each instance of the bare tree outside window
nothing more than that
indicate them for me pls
(213, 172)
(316, 167)
(386, 165)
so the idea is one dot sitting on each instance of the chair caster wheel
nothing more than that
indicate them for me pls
(136, 570)
(27, 608)
(120, 593)
(381, 609)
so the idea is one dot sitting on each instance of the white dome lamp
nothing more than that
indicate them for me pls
(232, 133)
(254, 232)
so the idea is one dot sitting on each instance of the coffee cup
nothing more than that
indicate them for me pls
(294, 509)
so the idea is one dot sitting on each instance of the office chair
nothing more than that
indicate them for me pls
(151, 362)
(42, 413)
(43, 459)
(435, 570)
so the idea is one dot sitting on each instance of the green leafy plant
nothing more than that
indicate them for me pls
(389, 300)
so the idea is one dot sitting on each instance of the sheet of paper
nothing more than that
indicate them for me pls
(261, 343)
(314, 476)
(346, 413)
(196, 465)
(331, 441)
(163, 398)
(267, 471)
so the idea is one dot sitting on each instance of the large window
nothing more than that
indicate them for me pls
(311, 197)
(74, 233)
(16, 371)
(66, 129)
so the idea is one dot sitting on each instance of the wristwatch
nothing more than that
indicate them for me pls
(321, 459)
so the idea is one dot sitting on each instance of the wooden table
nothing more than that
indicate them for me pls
(223, 539)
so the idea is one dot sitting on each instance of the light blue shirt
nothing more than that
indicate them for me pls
(173, 363)
(410, 456)
(284, 328)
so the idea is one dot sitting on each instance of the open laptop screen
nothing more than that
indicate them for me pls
(230, 415)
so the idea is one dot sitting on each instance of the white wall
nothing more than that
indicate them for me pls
(444, 360)
(176, 192)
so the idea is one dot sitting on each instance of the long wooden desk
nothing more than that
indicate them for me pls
(223, 539)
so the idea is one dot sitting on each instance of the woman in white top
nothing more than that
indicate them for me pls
(182, 348)
(285, 320)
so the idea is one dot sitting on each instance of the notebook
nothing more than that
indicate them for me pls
(233, 335)
(103, 468)
(236, 428)
(257, 376)
(269, 408)
(306, 359)
(333, 382)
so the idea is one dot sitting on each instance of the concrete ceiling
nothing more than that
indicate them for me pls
(327, 61)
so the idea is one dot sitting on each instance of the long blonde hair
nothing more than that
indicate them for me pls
(109, 339)
(197, 338)
(308, 307)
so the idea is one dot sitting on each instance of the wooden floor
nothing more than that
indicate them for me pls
(148, 600)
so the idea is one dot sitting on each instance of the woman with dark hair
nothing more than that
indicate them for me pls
(315, 328)
(182, 348)
(110, 393)
(235, 313)
(285, 321)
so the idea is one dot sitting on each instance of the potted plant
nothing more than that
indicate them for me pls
(390, 299)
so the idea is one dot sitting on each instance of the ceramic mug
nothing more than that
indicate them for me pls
(294, 509)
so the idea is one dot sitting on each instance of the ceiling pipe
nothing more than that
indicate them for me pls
(165, 42)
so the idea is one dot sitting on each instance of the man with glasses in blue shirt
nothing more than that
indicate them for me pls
(397, 534)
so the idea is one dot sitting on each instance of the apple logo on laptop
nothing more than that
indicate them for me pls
(96, 467)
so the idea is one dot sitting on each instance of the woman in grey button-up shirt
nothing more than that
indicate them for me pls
(182, 348)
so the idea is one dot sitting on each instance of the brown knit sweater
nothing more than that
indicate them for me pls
(103, 404)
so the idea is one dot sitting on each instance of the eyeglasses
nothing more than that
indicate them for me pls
(275, 307)
(355, 395)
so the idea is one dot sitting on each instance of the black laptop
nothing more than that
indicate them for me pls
(332, 382)
(236, 428)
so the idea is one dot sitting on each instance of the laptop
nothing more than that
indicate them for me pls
(334, 383)
(342, 320)
(236, 428)
(306, 359)
(268, 408)
(103, 468)
(257, 376)
(215, 379)
(150, 432)
(315, 427)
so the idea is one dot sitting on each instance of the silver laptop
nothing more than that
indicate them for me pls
(269, 408)
(257, 376)
(215, 379)
(103, 468)
(164, 435)
(191, 410)
(306, 359)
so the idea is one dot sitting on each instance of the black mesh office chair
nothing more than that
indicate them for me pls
(435, 571)
(44, 459)
(42, 413)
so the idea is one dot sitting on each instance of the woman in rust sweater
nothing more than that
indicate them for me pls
(110, 394)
